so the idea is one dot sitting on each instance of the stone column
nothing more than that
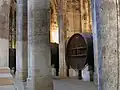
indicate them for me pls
(95, 42)
(21, 44)
(39, 45)
(4, 33)
(106, 37)
(62, 62)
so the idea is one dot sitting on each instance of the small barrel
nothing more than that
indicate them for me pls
(79, 50)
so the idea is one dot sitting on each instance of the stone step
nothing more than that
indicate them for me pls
(4, 70)
(7, 87)
(6, 81)
(6, 75)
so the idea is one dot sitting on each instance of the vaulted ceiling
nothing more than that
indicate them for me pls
(77, 16)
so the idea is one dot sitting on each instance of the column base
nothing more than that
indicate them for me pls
(53, 71)
(22, 76)
(4, 70)
(73, 73)
(95, 79)
(40, 83)
(63, 73)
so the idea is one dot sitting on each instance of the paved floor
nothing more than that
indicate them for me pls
(59, 84)
(66, 84)
(73, 84)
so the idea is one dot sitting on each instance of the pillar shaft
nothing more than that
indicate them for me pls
(39, 45)
(62, 62)
(95, 41)
(106, 43)
(62, 33)
(21, 44)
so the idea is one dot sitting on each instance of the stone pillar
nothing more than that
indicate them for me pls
(62, 62)
(30, 27)
(95, 43)
(21, 44)
(118, 40)
(106, 37)
(4, 33)
(39, 45)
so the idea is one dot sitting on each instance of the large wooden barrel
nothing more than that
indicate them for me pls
(79, 50)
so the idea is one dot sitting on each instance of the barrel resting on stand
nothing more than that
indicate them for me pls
(79, 52)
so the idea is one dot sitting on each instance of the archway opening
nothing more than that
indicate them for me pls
(76, 18)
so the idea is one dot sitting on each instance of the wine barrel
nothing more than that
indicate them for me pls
(79, 51)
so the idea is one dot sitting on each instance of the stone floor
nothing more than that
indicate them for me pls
(66, 84)
(59, 84)
(73, 84)
(7, 82)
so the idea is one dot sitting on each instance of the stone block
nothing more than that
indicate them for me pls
(6, 81)
(4, 70)
(7, 87)
(6, 75)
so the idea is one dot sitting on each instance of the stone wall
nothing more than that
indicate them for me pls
(4, 32)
